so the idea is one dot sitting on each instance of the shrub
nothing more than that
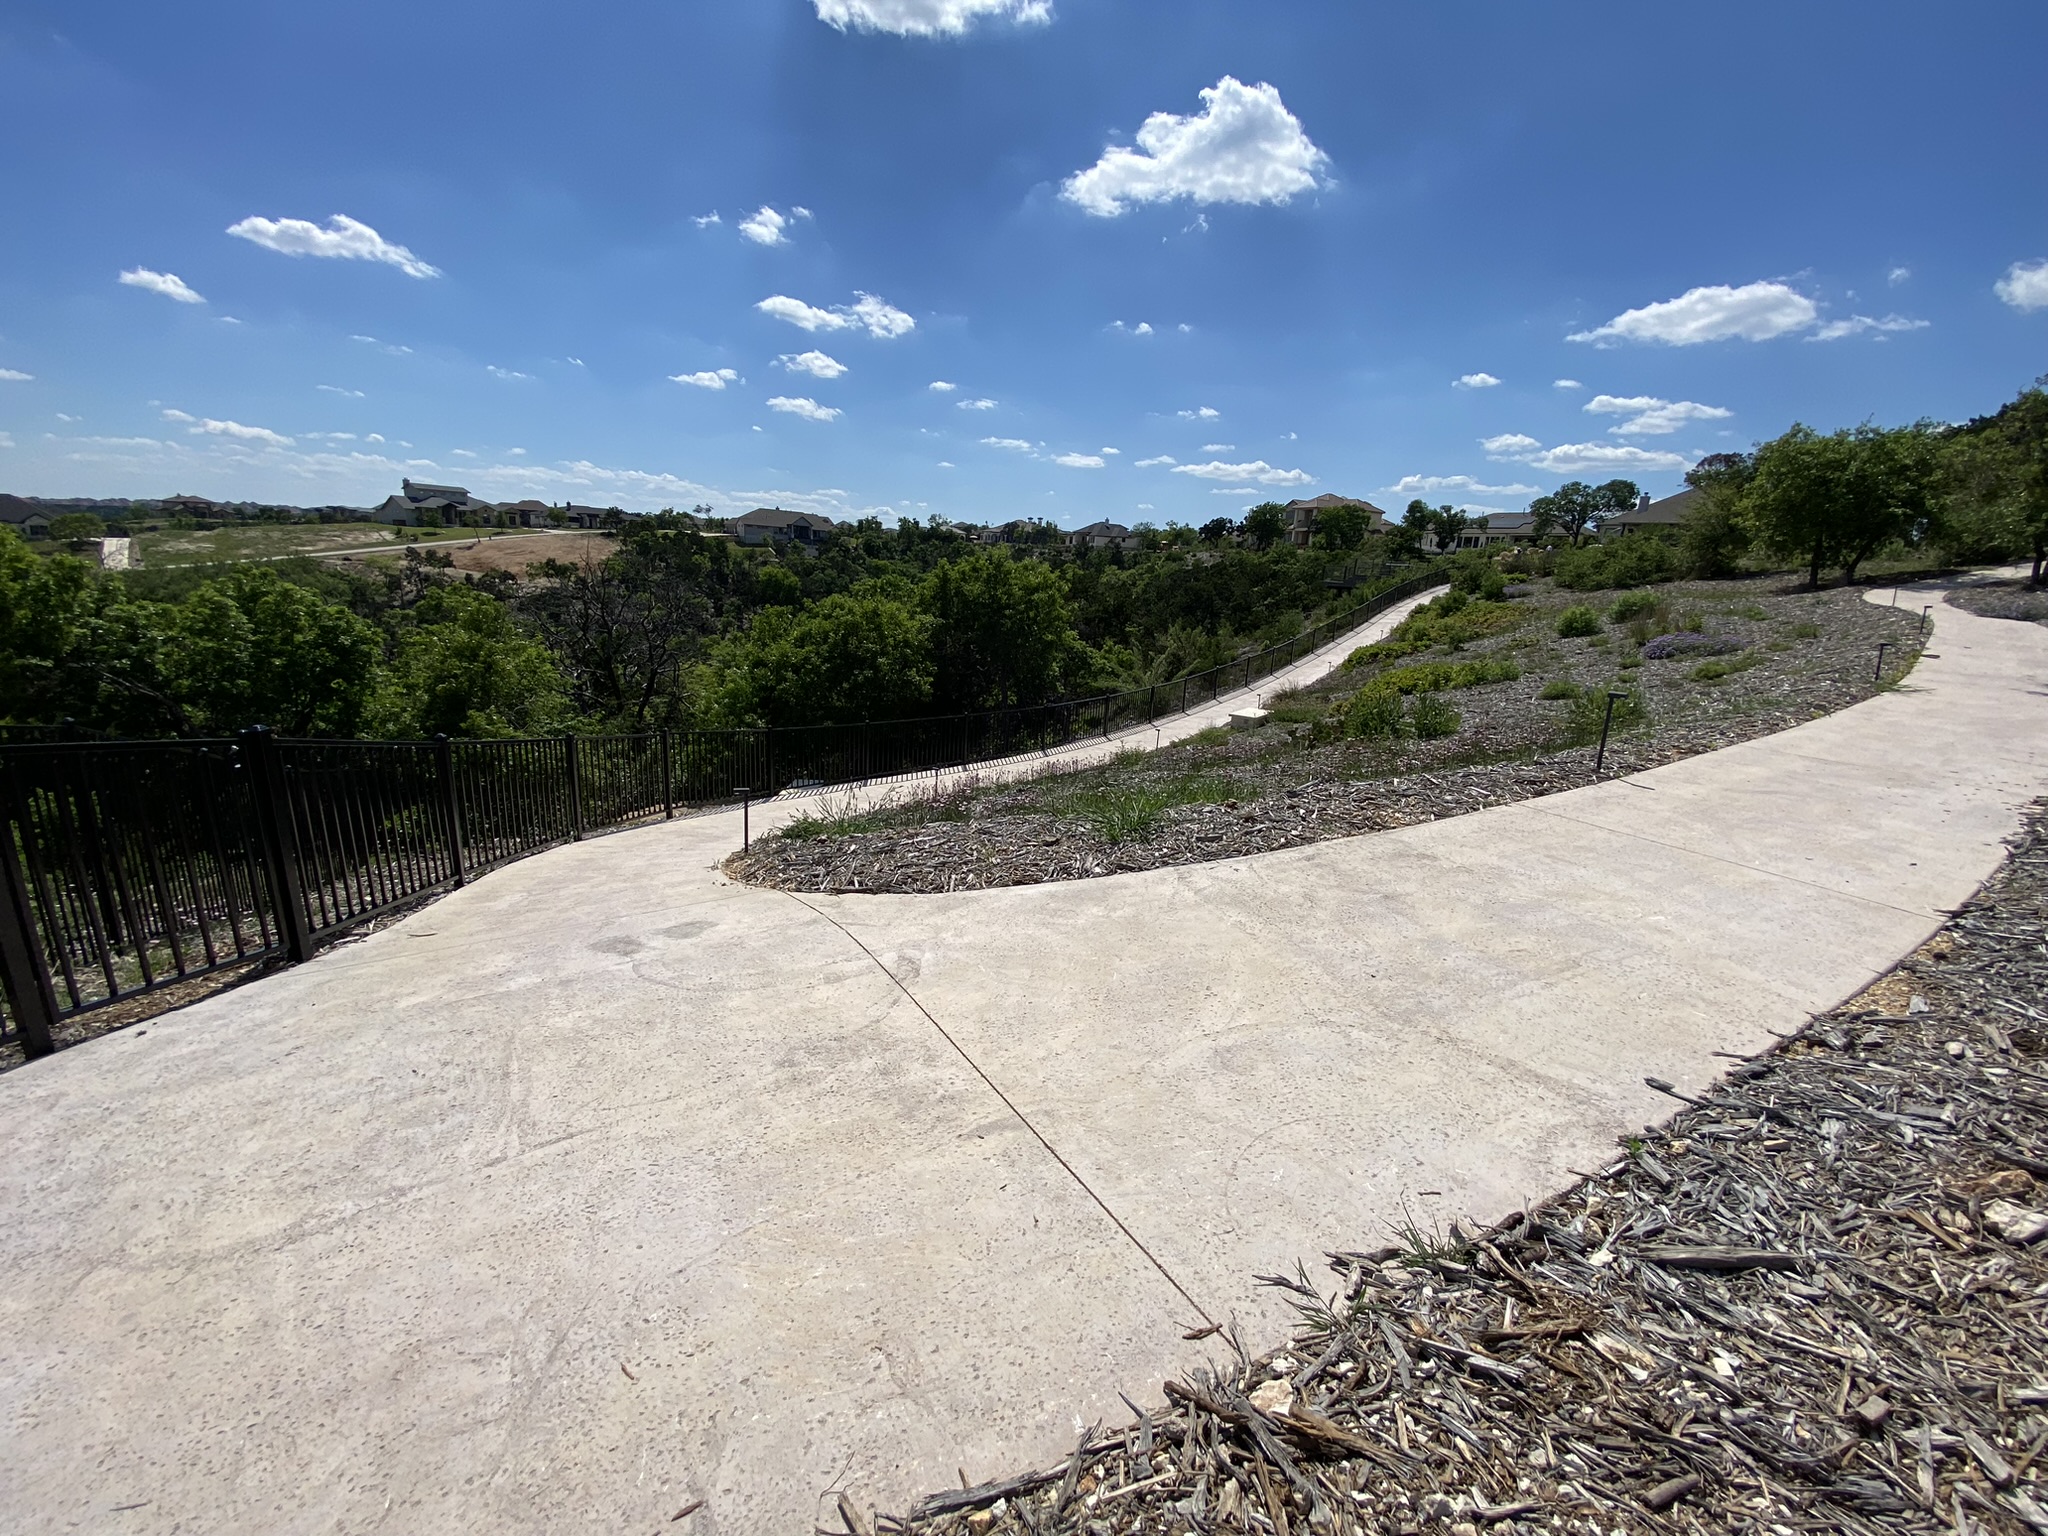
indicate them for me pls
(1375, 712)
(1805, 631)
(1633, 560)
(1382, 650)
(1120, 812)
(1559, 688)
(1462, 621)
(1632, 605)
(1686, 643)
(1714, 671)
(1435, 676)
(1629, 663)
(1589, 714)
(1577, 622)
(1433, 716)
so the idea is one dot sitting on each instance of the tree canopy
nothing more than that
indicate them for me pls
(1836, 499)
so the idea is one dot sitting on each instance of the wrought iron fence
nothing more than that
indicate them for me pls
(126, 866)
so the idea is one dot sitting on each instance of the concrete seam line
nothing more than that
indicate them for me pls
(1755, 869)
(1022, 1118)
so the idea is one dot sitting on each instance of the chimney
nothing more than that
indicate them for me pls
(1642, 501)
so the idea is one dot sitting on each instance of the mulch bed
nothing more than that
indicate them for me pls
(2003, 600)
(1810, 1301)
(1290, 787)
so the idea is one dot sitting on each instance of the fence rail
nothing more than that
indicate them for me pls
(131, 865)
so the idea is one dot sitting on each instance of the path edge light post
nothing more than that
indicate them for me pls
(1614, 697)
(746, 816)
(1877, 676)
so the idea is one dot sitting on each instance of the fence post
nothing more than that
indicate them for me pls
(22, 966)
(668, 791)
(279, 832)
(575, 791)
(451, 804)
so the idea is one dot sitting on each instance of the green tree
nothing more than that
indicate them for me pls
(1265, 525)
(252, 649)
(1217, 529)
(858, 655)
(76, 527)
(1003, 633)
(1712, 536)
(1997, 477)
(1838, 499)
(45, 609)
(1575, 508)
(462, 667)
(1343, 528)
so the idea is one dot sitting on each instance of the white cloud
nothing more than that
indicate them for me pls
(946, 464)
(343, 238)
(710, 378)
(1233, 490)
(173, 414)
(765, 226)
(1753, 312)
(975, 405)
(1412, 486)
(1079, 460)
(1112, 452)
(1897, 275)
(463, 453)
(928, 18)
(15, 376)
(1857, 325)
(1201, 413)
(374, 437)
(234, 429)
(1244, 146)
(336, 389)
(1474, 381)
(818, 365)
(1219, 447)
(942, 386)
(1014, 444)
(706, 220)
(1164, 458)
(2025, 285)
(169, 284)
(505, 373)
(6, 441)
(1566, 384)
(804, 406)
(1579, 458)
(1651, 417)
(1142, 328)
(1258, 469)
(395, 351)
(882, 319)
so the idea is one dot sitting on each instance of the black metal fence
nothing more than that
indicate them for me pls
(129, 865)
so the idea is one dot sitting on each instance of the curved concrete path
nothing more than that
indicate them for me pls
(604, 1186)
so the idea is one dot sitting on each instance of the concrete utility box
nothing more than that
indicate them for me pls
(1249, 719)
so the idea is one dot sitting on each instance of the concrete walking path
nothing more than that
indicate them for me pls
(604, 1185)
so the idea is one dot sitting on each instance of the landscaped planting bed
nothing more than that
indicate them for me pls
(1472, 704)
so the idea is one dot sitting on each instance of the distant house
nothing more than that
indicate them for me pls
(773, 525)
(193, 506)
(526, 514)
(1301, 516)
(452, 503)
(591, 517)
(24, 517)
(1648, 514)
(1103, 535)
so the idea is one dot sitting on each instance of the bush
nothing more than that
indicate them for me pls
(1559, 688)
(1435, 676)
(1805, 631)
(1375, 712)
(1633, 560)
(1577, 622)
(1685, 643)
(1453, 620)
(1633, 605)
(1433, 717)
(1589, 714)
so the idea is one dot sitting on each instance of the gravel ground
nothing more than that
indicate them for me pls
(2003, 600)
(1811, 1301)
(1297, 779)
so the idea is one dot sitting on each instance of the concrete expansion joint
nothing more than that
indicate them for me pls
(1010, 1104)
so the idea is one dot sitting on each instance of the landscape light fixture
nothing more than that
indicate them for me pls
(1924, 612)
(1614, 697)
(746, 816)
(1878, 675)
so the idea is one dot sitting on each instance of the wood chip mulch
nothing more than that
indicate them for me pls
(1811, 1301)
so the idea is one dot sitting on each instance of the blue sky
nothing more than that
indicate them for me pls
(1171, 256)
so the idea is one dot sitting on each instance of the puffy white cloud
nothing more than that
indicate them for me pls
(881, 318)
(928, 18)
(1258, 469)
(1014, 444)
(14, 376)
(1142, 328)
(1244, 146)
(1566, 384)
(1219, 447)
(976, 405)
(1579, 458)
(1079, 460)
(710, 378)
(818, 365)
(1897, 275)
(706, 220)
(946, 464)
(171, 413)
(1857, 325)
(169, 284)
(1753, 312)
(804, 406)
(343, 238)
(2025, 285)
(1201, 413)
(1412, 486)
(1474, 381)
(1164, 458)
(942, 386)
(1112, 452)
(236, 430)
(765, 226)
(1650, 417)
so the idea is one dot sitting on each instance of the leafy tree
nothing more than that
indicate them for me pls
(1576, 508)
(1004, 632)
(1265, 525)
(1343, 528)
(1998, 482)
(45, 608)
(76, 527)
(1217, 529)
(1713, 537)
(859, 655)
(1837, 500)
(252, 649)
(462, 667)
